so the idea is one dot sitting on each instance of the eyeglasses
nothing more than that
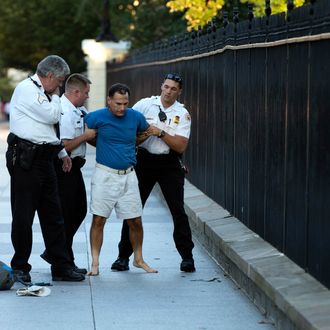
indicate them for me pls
(161, 115)
(175, 77)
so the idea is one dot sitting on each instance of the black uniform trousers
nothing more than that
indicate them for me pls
(166, 170)
(36, 190)
(73, 200)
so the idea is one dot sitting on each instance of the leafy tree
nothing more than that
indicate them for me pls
(199, 12)
(30, 30)
(152, 21)
(278, 6)
(6, 89)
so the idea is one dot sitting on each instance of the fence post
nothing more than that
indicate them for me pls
(311, 11)
(289, 6)
(268, 10)
(250, 15)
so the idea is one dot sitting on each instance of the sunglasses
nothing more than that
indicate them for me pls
(161, 115)
(175, 77)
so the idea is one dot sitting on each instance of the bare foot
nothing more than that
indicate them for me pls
(94, 271)
(143, 265)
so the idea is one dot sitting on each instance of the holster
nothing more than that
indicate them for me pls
(11, 153)
(26, 153)
(78, 162)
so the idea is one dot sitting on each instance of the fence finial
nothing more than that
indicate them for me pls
(225, 21)
(268, 10)
(214, 24)
(250, 14)
(235, 16)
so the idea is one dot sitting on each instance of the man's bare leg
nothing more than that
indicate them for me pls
(136, 238)
(96, 240)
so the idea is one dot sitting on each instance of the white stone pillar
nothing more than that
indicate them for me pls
(98, 53)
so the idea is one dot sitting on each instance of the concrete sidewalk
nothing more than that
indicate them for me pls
(207, 299)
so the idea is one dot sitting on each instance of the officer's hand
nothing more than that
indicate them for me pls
(153, 130)
(67, 164)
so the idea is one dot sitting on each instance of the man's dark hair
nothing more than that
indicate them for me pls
(175, 77)
(119, 88)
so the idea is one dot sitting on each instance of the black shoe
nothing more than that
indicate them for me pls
(45, 256)
(79, 270)
(22, 276)
(121, 264)
(187, 265)
(68, 275)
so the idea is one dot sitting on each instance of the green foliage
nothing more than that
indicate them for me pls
(196, 12)
(153, 22)
(6, 89)
(278, 6)
(200, 12)
(30, 30)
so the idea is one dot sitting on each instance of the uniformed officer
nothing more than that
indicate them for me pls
(74, 135)
(32, 146)
(159, 160)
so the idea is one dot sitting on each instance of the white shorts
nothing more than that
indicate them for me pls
(119, 191)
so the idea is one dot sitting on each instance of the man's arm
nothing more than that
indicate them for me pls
(141, 137)
(72, 144)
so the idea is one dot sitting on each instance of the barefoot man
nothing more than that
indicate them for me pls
(114, 183)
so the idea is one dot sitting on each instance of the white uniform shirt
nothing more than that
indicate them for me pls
(178, 122)
(32, 116)
(72, 125)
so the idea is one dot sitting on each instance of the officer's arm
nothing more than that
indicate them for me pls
(87, 136)
(177, 143)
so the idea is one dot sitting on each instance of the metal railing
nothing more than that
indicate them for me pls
(258, 92)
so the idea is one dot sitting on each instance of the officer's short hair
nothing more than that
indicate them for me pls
(76, 80)
(53, 64)
(119, 88)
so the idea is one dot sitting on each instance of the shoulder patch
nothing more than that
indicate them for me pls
(42, 98)
(188, 116)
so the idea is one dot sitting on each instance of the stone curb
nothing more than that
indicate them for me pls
(280, 288)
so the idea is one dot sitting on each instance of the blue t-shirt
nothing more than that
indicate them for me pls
(116, 136)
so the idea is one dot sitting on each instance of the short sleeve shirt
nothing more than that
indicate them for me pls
(32, 115)
(72, 125)
(116, 136)
(178, 122)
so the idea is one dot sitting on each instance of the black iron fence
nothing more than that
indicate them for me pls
(259, 96)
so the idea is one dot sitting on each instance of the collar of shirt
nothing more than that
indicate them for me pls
(155, 100)
(36, 78)
(66, 104)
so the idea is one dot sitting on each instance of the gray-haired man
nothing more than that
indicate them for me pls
(32, 146)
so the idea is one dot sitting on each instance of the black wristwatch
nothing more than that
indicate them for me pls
(161, 134)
